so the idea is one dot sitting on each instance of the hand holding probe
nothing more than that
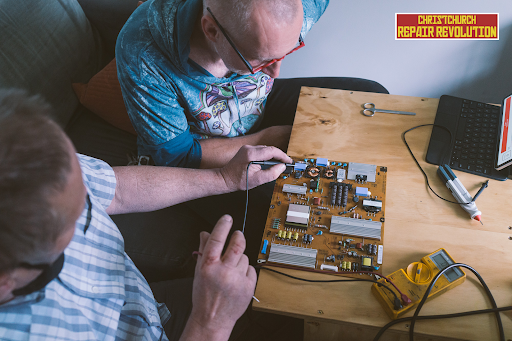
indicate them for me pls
(268, 164)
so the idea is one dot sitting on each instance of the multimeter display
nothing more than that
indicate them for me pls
(415, 279)
(441, 260)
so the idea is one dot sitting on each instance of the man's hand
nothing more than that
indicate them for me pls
(234, 173)
(223, 284)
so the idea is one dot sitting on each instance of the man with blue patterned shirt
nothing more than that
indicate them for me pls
(198, 76)
(64, 274)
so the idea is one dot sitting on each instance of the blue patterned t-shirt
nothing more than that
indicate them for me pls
(172, 101)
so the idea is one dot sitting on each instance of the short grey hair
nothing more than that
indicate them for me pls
(235, 15)
(34, 165)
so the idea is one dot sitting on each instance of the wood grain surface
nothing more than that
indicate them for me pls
(329, 123)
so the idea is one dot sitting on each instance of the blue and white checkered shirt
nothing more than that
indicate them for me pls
(99, 294)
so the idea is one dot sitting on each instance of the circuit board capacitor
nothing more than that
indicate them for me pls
(334, 191)
(344, 196)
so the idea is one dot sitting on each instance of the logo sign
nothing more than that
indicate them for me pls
(478, 26)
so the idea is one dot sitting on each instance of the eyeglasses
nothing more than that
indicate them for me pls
(249, 67)
(42, 267)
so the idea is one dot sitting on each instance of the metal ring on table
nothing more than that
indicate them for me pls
(370, 109)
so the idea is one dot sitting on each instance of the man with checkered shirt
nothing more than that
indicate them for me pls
(64, 274)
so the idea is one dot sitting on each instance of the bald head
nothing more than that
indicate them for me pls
(241, 17)
(263, 31)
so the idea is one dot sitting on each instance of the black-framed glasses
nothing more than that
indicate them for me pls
(42, 267)
(247, 64)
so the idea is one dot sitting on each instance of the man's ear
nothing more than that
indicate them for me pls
(6, 286)
(210, 28)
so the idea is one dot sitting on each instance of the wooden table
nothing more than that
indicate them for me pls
(329, 124)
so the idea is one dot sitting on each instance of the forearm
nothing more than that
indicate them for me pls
(149, 188)
(194, 331)
(217, 152)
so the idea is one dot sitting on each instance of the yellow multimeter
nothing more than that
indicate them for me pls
(415, 279)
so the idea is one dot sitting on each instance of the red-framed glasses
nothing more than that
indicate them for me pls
(247, 64)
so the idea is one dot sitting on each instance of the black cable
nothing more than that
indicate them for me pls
(415, 317)
(246, 195)
(436, 277)
(438, 317)
(329, 280)
(418, 164)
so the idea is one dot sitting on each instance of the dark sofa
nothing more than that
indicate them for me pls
(46, 45)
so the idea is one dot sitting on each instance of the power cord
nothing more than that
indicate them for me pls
(397, 302)
(415, 317)
(421, 169)
(434, 280)
(246, 194)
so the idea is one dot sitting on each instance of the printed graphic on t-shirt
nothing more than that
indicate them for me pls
(228, 109)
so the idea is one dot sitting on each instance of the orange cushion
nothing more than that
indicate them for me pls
(102, 95)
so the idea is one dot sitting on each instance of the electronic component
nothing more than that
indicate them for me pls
(264, 248)
(299, 166)
(379, 254)
(415, 279)
(344, 196)
(328, 173)
(307, 238)
(356, 227)
(294, 189)
(340, 174)
(322, 162)
(297, 215)
(369, 249)
(329, 267)
(362, 192)
(292, 255)
(301, 216)
(313, 185)
(366, 263)
(312, 172)
(339, 193)
(372, 206)
(368, 172)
